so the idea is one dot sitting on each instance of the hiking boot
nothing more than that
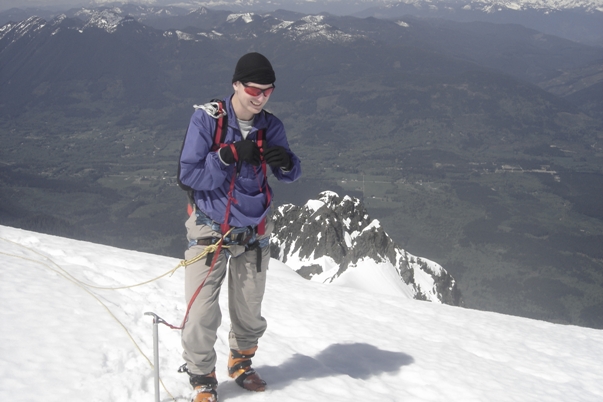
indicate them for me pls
(239, 368)
(206, 388)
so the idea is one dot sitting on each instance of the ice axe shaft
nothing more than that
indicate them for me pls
(156, 321)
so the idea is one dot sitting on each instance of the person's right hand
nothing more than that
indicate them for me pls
(246, 151)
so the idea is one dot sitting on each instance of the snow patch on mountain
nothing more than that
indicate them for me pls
(184, 36)
(18, 30)
(108, 20)
(246, 17)
(199, 11)
(312, 28)
(281, 26)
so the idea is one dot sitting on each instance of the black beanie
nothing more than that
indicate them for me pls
(253, 67)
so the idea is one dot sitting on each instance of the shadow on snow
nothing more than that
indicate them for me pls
(356, 360)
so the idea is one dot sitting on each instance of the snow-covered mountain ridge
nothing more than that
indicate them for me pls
(498, 5)
(310, 28)
(579, 21)
(333, 240)
(485, 5)
(107, 20)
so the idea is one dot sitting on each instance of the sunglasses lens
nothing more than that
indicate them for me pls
(253, 91)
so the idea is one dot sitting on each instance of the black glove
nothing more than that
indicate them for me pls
(278, 157)
(247, 151)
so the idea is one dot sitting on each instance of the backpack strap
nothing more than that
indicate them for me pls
(221, 124)
(216, 108)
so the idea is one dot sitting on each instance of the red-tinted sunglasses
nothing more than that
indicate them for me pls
(254, 91)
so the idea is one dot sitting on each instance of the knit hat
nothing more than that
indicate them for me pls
(253, 67)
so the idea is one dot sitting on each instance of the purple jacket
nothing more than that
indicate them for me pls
(202, 170)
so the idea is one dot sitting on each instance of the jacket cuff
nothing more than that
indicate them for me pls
(222, 160)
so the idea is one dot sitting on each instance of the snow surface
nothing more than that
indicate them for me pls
(63, 341)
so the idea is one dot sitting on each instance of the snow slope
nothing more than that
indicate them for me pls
(63, 341)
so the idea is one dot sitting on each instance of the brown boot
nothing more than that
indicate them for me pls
(239, 368)
(206, 388)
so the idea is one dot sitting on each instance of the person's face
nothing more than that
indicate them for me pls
(249, 98)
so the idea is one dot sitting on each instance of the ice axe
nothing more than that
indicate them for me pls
(156, 321)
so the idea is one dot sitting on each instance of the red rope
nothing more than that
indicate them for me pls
(225, 228)
(194, 297)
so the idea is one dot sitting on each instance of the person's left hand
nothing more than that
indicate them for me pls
(278, 157)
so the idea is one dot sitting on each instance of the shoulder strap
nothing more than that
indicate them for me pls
(221, 125)
(217, 109)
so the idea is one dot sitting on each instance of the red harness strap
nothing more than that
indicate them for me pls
(262, 225)
(190, 303)
(266, 189)
(221, 127)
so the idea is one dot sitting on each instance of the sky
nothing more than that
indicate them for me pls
(68, 341)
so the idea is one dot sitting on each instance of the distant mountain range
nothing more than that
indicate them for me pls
(579, 20)
(135, 30)
(476, 145)
(343, 7)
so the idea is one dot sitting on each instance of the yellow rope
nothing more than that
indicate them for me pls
(62, 272)
(183, 263)
(67, 276)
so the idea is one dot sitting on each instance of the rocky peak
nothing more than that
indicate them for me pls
(333, 240)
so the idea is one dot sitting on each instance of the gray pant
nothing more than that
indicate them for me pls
(245, 293)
